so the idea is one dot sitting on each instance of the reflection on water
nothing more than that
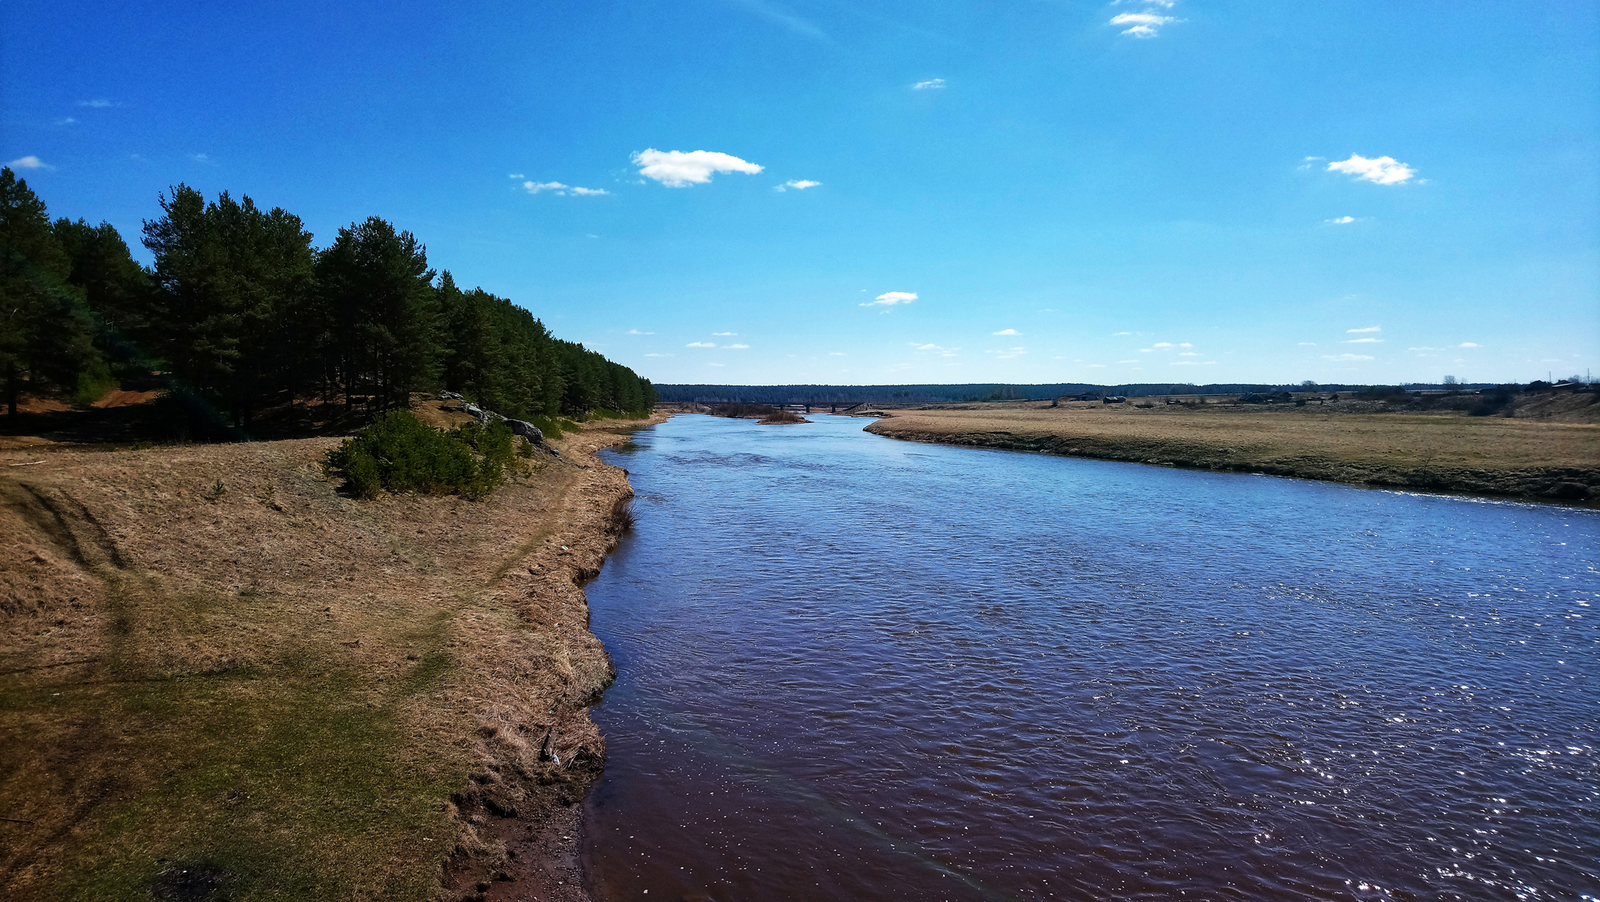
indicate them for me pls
(852, 668)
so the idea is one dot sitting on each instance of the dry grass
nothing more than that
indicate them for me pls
(1516, 456)
(284, 691)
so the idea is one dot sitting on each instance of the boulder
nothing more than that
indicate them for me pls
(526, 430)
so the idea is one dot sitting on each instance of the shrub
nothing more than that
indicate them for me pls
(400, 454)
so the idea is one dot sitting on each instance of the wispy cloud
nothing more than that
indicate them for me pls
(737, 347)
(1008, 332)
(1141, 25)
(1308, 344)
(1363, 341)
(203, 159)
(1192, 363)
(679, 169)
(724, 334)
(1114, 334)
(1467, 344)
(935, 349)
(701, 344)
(1340, 220)
(1365, 329)
(1348, 357)
(1382, 170)
(563, 190)
(1008, 353)
(66, 121)
(96, 104)
(657, 355)
(29, 162)
(891, 298)
(772, 12)
(796, 184)
(837, 354)
(1162, 344)
(932, 84)
(638, 332)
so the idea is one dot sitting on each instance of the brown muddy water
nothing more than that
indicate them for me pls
(856, 669)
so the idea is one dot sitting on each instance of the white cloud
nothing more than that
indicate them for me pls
(204, 159)
(1345, 357)
(677, 169)
(1142, 25)
(29, 162)
(1129, 361)
(1342, 220)
(737, 347)
(639, 332)
(891, 298)
(1363, 341)
(1382, 171)
(1192, 363)
(97, 104)
(1114, 334)
(796, 184)
(1188, 353)
(700, 344)
(1162, 344)
(1008, 353)
(1147, 350)
(1365, 329)
(563, 190)
(725, 334)
(933, 348)
(1008, 332)
(1467, 344)
(932, 84)
(67, 121)
(716, 364)
(515, 175)
(1186, 345)
(1092, 366)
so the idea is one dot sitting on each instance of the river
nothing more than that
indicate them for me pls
(851, 668)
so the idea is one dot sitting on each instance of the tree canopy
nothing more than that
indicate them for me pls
(240, 310)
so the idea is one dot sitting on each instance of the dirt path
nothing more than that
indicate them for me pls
(220, 678)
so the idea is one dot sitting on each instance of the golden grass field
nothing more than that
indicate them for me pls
(221, 678)
(1541, 457)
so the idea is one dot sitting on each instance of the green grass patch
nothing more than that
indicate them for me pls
(281, 785)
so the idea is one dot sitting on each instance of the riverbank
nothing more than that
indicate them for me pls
(1447, 452)
(220, 678)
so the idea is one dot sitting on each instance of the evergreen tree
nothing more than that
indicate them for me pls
(378, 286)
(46, 329)
(228, 276)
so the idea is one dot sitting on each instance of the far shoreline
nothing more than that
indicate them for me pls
(1530, 460)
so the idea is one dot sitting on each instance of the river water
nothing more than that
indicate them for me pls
(851, 668)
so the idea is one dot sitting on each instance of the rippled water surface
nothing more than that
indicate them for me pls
(852, 668)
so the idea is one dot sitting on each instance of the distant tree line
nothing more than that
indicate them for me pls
(240, 310)
(919, 394)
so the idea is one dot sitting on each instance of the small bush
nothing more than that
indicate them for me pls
(399, 454)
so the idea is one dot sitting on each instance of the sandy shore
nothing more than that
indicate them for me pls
(219, 677)
(1527, 458)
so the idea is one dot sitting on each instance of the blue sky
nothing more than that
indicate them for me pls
(750, 191)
